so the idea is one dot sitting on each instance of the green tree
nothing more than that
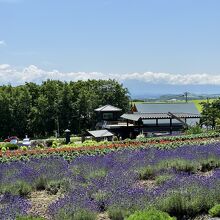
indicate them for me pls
(39, 110)
(210, 113)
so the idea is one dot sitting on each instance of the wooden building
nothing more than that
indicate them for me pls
(164, 117)
(107, 114)
(101, 135)
(147, 118)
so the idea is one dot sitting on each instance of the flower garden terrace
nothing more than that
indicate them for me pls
(183, 181)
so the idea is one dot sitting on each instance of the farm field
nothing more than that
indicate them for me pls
(198, 105)
(180, 179)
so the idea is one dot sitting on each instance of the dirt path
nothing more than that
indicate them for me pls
(103, 216)
(40, 201)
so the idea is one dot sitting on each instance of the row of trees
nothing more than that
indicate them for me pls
(39, 110)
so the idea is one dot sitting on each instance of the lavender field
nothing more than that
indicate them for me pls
(184, 182)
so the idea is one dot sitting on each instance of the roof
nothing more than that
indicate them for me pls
(108, 108)
(145, 116)
(167, 107)
(100, 133)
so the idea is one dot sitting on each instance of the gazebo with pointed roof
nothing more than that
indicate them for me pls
(107, 113)
(108, 108)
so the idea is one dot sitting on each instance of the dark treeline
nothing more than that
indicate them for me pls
(40, 110)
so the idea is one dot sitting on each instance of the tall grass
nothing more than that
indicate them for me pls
(188, 201)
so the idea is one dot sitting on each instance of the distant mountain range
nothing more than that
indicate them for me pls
(143, 90)
(189, 96)
(175, 97)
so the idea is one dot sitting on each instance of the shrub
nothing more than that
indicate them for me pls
(49, 142)
(29, 218)
(3, 149)
(24, 189)
(41, 146)
(62, 141)
(53, 187)
(106, 142)
(194, 130)
(41, 183)
(163, 178)
(55, 144)
(89, 143)
(10, 146)
(140, 137)
(97, 173)
(116, 213)
(76, 215)
(186, 201)
(179, 165)
(217, 124)
(215, 211)
(147, 173)
(209, 163)
(127, 140)
(17, 188)
(100, 197)
(24, 148)
(115, 138)
(38, 143)
(150, 215)
(84, 215)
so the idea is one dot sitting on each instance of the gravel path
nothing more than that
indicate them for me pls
(103, 216)
(40, 201)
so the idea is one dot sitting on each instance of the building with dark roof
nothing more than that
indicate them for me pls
(108, 108)
(148, 118)
(164, 117)
(107, 114)
(167, 107)
(188, 109)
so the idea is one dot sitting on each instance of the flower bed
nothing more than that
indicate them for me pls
(182, 181)
(165, 142)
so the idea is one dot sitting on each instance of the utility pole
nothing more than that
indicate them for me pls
(58, 127)
(186, 96)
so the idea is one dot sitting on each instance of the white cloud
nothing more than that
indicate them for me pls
(32, 73)
(2, 43)
(4, 66)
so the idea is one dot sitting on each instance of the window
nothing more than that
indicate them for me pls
(107, 116)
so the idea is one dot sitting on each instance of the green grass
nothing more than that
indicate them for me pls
(198, 103)
(150, 215)
(215, 211)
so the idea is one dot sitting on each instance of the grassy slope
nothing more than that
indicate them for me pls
(198, 103)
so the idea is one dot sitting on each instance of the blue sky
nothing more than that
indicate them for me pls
(169, 42)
